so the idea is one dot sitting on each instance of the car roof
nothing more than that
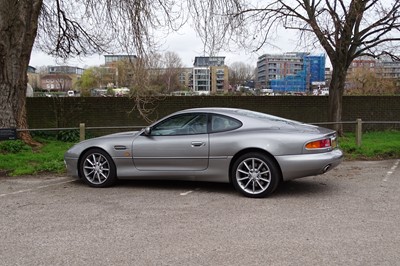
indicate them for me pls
(235, 112)
(241, 114)
(212, 110)
(252, 119)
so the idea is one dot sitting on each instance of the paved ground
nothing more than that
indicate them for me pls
(350, 216)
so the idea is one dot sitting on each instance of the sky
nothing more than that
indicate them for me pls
(186, 44)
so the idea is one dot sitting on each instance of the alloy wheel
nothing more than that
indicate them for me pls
(253, 176)
(96, 168)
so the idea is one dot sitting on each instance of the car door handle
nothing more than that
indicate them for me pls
(197, 143)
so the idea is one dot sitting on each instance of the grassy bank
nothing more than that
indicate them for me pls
(18, 159)
(375, 146)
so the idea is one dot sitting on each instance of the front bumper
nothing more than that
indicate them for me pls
(297, 166)
(72, 166)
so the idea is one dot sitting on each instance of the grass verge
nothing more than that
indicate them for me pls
(16, 158)
(375, 146)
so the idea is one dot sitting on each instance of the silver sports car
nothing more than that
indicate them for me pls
(251, 150)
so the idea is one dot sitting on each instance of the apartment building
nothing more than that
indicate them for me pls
(56, 82)
(60, 78)
(384, 67)
(185, 77)
(210, 75)
(388, 68)
(290, 72)
(365, 62)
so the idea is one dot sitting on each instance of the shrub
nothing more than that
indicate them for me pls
(13, 146)
(68, 135)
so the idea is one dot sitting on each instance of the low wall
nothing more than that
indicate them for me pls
(114, 111)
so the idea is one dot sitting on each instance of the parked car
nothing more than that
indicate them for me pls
(251, 150)
(70, 93)
(321, 92)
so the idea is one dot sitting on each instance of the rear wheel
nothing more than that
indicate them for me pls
(255, 175)
(97, 168)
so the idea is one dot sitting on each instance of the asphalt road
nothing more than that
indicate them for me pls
(349, 216)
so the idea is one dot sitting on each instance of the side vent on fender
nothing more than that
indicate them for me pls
(120, 147)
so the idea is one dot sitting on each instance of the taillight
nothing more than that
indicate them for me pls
(319, 144)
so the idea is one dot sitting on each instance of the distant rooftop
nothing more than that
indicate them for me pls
(288, 56)
(206, 61)
(118, 57)
(65, 70)
(31, 69)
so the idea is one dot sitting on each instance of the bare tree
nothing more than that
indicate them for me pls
(143, 92)
(173, 66)
(67, 28)
(239, 73)
(365, 81)
(164, 71)
(211, 28)
(345, 29)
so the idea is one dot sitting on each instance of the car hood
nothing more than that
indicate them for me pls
(120, 135)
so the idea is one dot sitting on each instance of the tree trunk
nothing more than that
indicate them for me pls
(18, 28)
(335, 102)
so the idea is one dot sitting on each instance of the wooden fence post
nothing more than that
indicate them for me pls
(358, 132)
(82, 131)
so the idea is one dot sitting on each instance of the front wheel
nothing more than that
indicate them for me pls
(255, 175)
(97, 168)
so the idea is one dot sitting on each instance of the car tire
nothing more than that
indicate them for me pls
(97, 168)
(255, 175)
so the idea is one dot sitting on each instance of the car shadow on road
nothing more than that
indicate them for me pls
(293, 188)
(179, 186)
(302, 187)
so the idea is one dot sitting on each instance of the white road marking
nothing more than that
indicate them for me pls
(186, 193)
(36, 188)
(392, 169)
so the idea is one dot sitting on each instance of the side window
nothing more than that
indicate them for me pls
(221, 123)
(185, 124)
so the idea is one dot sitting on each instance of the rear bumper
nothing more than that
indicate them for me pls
(297, 166)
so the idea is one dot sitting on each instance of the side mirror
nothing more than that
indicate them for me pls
(147, 131)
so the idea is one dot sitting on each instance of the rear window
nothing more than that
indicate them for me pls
(221, 123)
(271, 118)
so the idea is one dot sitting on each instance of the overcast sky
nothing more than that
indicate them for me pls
(186, 44)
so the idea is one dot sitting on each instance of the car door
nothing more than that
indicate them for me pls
(178, 143)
